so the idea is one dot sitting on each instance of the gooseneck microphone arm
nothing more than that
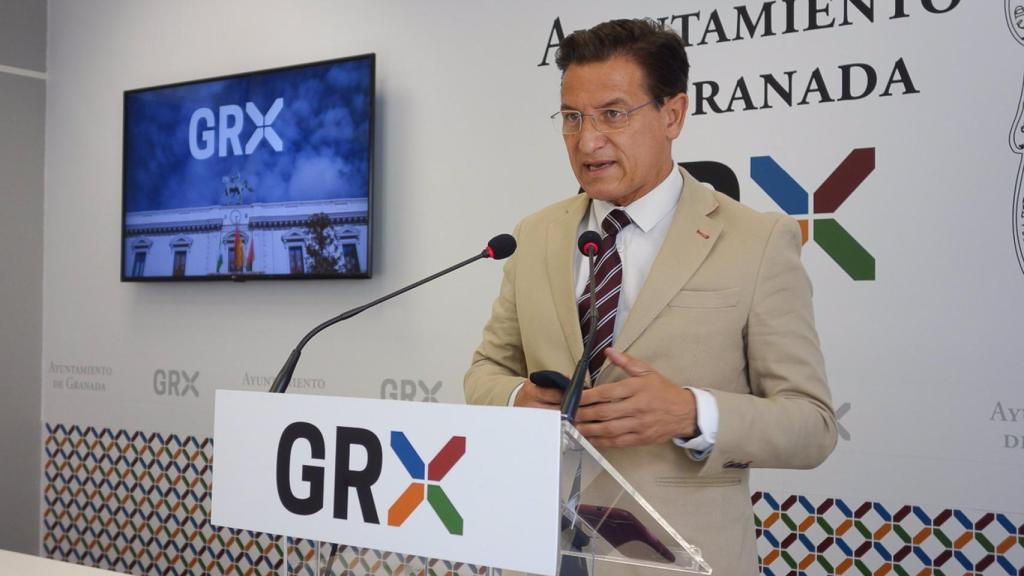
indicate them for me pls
(590, 244)
(500, 247)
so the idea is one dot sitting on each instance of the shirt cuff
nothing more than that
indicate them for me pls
(707, 421)
(512, 397)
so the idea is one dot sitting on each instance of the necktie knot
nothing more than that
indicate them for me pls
(615, 221)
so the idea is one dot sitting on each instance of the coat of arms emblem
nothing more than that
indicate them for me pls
(1015, 18)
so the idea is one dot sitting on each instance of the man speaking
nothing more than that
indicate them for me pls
(706, 360)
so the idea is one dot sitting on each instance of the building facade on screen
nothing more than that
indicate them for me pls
(251, 239)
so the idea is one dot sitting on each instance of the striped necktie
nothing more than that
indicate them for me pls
(608, 282)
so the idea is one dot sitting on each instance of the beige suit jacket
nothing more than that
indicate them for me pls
(727, 308)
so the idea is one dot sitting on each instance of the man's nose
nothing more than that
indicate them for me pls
(590, 138)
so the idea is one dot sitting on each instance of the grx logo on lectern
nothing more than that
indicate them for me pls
(426, 478)
(439, 466)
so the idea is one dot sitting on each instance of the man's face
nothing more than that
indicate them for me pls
(621, 166)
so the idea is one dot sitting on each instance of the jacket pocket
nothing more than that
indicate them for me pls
(706, 298)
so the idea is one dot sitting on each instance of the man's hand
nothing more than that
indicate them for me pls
(644, 408)
(533, 396)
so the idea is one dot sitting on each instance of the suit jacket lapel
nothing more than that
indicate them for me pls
(561, 242)
(689, 240)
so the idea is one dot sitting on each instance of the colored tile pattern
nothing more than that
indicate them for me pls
(796, 536)
(139, 503)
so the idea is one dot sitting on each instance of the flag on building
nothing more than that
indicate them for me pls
(239, 255)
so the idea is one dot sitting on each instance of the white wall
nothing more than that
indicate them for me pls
(22, 109)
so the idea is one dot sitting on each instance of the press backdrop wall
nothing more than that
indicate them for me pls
(914, 251)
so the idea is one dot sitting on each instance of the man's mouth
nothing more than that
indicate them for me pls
(597, 166)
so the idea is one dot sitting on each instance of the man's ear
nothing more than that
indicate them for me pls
(675, 114)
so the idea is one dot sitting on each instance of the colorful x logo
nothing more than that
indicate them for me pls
(828, 233)
(413, 495)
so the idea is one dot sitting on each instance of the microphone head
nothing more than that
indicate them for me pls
(500, 247)
(589, 243)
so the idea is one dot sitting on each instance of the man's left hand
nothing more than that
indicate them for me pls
(643, 408)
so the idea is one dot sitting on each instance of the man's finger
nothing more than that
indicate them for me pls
(629, 365)
(549, 395)
(611, 392)
(536, 396)
(611, 428)
(600, 412)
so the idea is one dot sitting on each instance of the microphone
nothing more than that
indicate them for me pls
(498, 248)
(589, 244)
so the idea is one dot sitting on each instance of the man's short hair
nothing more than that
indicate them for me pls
(658, 51)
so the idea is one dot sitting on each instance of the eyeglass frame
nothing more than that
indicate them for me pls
(593, 117)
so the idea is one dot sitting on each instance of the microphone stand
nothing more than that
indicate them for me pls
(571, 400)
(284, 377)
(573, 565)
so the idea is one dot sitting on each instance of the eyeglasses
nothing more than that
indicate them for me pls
(604, 119)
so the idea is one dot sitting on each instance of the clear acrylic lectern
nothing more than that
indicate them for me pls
(606, 525)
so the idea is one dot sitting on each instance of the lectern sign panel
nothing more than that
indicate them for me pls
(474, 484)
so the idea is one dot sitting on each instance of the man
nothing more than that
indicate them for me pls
(715, 365)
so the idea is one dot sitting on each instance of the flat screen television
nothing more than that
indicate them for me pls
(261, 175)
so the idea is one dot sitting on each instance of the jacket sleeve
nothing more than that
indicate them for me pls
(499, 364)
(787, 420)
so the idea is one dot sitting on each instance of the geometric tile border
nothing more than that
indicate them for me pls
(796, 536)
(139, 503)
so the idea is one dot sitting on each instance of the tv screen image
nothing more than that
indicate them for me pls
(251, 176)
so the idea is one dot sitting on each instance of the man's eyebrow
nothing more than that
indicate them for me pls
(615, 102)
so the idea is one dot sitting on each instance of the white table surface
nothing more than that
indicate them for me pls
(16, 564)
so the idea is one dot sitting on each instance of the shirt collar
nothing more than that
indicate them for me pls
(650, 208)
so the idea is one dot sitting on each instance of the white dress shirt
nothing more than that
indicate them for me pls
(638, 245)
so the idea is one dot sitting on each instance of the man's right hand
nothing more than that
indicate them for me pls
(533, 396)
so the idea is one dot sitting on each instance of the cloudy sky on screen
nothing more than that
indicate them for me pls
(325, 126)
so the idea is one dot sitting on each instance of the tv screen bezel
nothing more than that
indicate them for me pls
(371, 150)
